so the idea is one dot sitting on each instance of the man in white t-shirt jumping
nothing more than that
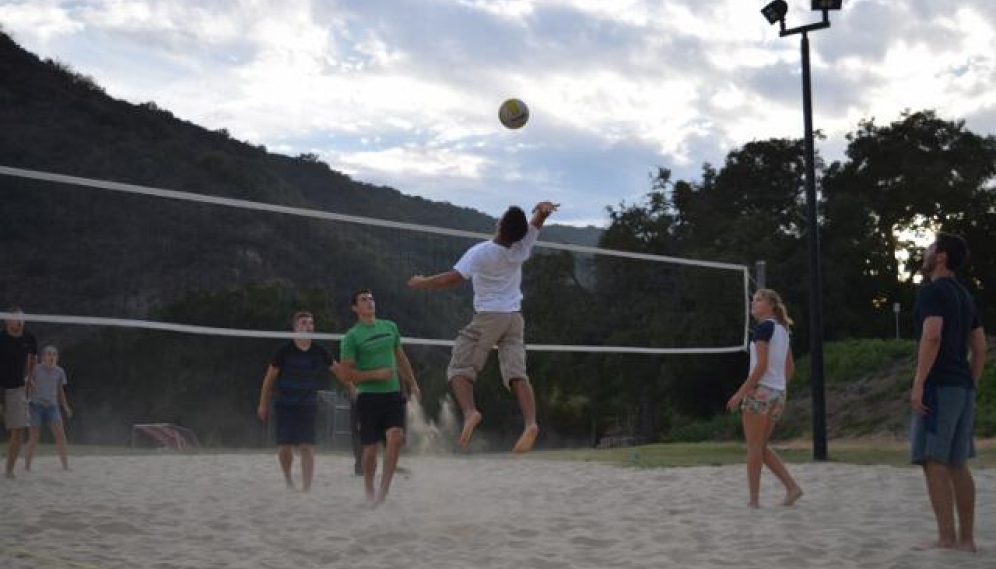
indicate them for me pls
(495, 269)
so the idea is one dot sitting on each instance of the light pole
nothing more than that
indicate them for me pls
(775, 12)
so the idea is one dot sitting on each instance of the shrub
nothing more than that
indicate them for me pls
(722, 427)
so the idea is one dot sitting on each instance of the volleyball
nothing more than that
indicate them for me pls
(513, 113)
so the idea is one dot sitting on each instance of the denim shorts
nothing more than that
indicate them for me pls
(944, 434)
(42, 414)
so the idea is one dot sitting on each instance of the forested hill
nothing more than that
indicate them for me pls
(72, 250)
(53, 119)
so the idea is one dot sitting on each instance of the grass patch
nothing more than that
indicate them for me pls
(721, 427)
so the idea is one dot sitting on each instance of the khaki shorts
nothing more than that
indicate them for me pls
(15, 408)
(474, 343)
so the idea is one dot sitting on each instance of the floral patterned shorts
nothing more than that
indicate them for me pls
(764, 400)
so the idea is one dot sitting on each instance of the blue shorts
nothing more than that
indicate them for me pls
(44, 414)
(295, 424)
(944, 434)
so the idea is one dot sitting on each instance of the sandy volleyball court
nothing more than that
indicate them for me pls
(231, 511)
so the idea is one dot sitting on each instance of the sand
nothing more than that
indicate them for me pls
(231, 511)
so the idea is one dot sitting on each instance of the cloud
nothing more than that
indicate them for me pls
(41, 19)
(405, 92)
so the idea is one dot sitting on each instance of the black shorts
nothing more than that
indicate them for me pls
(377, 413)
(295, 424)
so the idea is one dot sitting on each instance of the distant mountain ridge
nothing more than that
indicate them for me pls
(53, 119)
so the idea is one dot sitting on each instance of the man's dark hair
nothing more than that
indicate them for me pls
(299, 315)
(356, 295)
(954, 247)
(513, 225)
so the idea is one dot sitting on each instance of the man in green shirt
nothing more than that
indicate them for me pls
(375, 344)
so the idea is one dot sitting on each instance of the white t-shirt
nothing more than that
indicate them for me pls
(496, 272)
(777, 337)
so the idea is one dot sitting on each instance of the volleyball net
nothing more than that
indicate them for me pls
(107, 254)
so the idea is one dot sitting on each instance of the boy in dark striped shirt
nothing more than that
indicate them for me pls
(292, 380)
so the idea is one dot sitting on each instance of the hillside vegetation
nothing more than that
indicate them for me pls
(867, 386)
(867, 395)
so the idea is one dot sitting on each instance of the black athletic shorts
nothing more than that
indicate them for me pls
(377, 413)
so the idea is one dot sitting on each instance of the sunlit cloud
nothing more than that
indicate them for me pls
(44, 18)
(405, 92)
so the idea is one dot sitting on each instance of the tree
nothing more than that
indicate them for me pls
(915, 176)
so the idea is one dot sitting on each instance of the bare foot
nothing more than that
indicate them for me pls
(754, 505)
(967, 545)
(469, 422)
(792, 496)
(526, 441)
(935, 545)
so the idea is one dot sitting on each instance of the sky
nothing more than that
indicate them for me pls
(405, 93)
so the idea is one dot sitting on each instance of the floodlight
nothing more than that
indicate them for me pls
(826, 5)
(775, 11)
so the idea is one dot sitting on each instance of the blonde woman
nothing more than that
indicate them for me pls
(761, 397)
(46, 393)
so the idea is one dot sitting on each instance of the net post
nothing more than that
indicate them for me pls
(761, 274)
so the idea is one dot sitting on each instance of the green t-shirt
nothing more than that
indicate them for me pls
(372, 347)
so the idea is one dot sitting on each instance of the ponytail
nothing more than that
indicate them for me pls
(777, 306)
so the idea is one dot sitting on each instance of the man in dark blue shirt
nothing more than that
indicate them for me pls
(292, 380)
(943, 394)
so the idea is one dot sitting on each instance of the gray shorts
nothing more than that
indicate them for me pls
(475, 341)
(15, 408)
(944, 434)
